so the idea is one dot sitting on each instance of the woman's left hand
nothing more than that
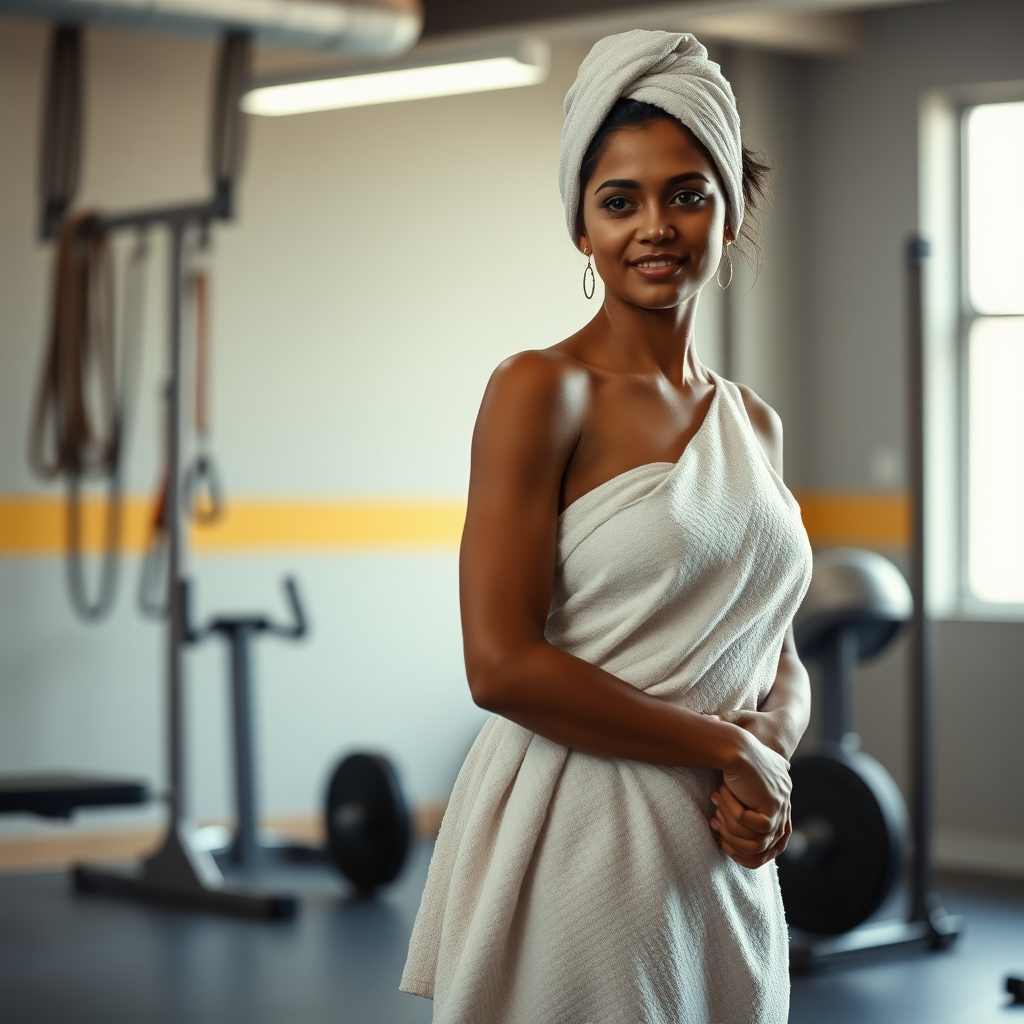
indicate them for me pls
(775, 729)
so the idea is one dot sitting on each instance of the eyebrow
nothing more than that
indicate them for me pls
(629, 184)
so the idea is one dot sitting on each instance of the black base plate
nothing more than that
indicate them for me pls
(261, 906)
(811, 952)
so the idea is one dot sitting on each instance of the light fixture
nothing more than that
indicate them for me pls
(421, 75)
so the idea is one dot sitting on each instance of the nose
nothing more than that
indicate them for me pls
(656, 226)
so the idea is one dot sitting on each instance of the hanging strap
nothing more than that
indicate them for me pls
(79, 419)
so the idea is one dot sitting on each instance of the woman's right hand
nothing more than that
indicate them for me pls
(759, 778)
(745, 835)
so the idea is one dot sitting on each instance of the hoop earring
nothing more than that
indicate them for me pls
(718, 276)
(589, 269)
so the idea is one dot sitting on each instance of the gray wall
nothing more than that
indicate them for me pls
(862, 123)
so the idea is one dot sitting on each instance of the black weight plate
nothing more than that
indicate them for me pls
(368, 826)
(849, 830)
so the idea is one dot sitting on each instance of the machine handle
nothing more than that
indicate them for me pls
(300, 625)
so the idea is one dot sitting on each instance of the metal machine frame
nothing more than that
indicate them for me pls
(178, 872)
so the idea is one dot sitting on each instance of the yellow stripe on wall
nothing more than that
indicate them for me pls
(857, 519)
(35, 525)
(32, 525)
(271, 525)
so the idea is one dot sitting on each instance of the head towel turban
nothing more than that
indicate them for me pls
(670, 70)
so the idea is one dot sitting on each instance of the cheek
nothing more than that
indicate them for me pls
(610, 240)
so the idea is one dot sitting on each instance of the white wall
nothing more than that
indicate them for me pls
(384, 260)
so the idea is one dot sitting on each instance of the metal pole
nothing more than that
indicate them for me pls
(840, 656)
(245, 848)
(920, 645)
(175, 632)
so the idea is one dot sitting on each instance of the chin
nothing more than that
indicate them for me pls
(655, 298)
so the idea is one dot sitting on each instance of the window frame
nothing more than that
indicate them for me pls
(970, 605)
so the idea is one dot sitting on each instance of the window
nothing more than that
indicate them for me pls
(992, 318)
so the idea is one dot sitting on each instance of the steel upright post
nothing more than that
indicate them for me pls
(175, 633)
(924, 905)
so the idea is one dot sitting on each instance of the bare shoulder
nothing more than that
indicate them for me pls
(542, 386)
(542, 370)
(767, 425)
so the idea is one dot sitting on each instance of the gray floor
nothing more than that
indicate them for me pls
(68, 959)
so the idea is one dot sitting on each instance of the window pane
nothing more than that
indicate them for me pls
(996, 460)
(995, 207)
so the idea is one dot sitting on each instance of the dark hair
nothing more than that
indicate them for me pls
(628, 113)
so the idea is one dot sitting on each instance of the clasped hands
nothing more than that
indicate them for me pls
(752, 819)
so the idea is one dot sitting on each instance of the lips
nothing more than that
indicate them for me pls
(657, 266)
(656, 261)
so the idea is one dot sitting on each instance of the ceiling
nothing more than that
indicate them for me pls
(797, 26)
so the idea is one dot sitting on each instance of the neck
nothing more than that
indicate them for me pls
(650, 340)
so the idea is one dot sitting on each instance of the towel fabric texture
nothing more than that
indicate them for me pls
(566, 888)
(670, 70)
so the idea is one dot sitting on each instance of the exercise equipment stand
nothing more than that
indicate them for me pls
(247, 848)
(178, 873)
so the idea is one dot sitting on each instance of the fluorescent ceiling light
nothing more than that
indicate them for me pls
(416, 78)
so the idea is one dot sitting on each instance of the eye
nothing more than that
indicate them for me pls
(617, 204)
(689, 197)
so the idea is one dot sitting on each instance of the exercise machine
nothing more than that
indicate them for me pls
(178, 872)
(850, 825)
(849, 819)
(246, 848)
(60, 794)
(366, 819)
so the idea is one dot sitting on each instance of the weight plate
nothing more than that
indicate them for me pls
(849, 833)
(368, 826)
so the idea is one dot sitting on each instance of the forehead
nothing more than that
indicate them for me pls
(660, 149)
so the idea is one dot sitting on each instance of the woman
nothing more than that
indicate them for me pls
(630, 567)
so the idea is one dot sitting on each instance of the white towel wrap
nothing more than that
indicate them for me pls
(567, 888)
(670, 70)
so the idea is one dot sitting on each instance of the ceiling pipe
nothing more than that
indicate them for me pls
(385, 28)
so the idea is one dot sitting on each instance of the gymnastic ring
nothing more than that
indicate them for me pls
(202, 472)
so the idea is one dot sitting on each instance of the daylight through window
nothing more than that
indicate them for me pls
(994, 333)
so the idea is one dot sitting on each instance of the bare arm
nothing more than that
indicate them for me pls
(528, 427)
(751, 838)
(782, 717)
(787, 708)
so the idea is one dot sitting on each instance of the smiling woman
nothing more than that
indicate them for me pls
(630, 566)
(631, 113)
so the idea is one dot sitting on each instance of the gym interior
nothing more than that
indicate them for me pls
(233, 702)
